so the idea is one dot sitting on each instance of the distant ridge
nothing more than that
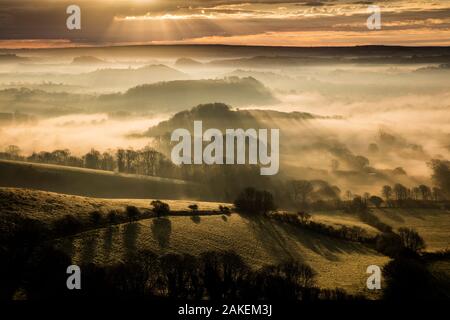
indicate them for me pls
(196, 51)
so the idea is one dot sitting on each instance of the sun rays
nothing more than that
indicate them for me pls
(280, 23)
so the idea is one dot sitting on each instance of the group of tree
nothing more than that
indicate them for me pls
(223, 181)
(253, 201)
(399, 193)
(146, 161)
(395, 196)
(441, 175)
(216, 276)
(304, 193)
(407, 276)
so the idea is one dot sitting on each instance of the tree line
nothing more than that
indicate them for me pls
(146, 161)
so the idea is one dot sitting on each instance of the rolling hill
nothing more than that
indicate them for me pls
(127, 78)
(432, 224)
(222, 117)
(48, 207)
(258, 241)
(94, 183)
(176, 95)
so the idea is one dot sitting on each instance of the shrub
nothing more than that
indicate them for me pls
(193, 207)
(67, 225)
(224, 210)
(95, 217)
(160, 208)
(303, 216)
(132, 213)
(408, 279)
(289, 280)
(411, 239)
(389, 244)
(376, 201)
(112, 217)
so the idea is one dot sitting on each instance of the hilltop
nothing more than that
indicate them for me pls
(222, 116)
(94, 183)
(175, 95)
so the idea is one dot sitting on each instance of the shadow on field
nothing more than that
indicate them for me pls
(393, 215)
(325, 246)
(162, 229)
(196, 219)
(67, 245)
(265, 231)
(108, 236)
(88, 249)
(130, 235)
(285, 236)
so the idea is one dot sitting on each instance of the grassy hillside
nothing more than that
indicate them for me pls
(338, 219)
(432, 224)
(258, 241)
(94, 183)
(49, 206)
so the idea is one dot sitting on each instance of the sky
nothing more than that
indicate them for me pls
(42, 23)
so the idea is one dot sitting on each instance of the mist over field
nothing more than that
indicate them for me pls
(392, 112)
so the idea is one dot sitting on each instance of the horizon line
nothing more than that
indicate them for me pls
(223, 45)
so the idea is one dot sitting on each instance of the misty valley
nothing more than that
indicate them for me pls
(234, 142)
(225, 172)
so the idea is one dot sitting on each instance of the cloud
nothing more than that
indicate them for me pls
(122, 21)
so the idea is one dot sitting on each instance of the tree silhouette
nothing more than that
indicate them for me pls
(425, 191)
(411, 239)
(387, 192)
(301, 190)
(254, 201)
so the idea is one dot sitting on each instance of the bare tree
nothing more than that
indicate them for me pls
(387, 192)
(401, 192)
(13, 151)
(301, 190)
(416, 193)
(425, 191)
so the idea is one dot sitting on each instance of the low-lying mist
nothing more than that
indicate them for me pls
(369, 119)
(78, 133)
